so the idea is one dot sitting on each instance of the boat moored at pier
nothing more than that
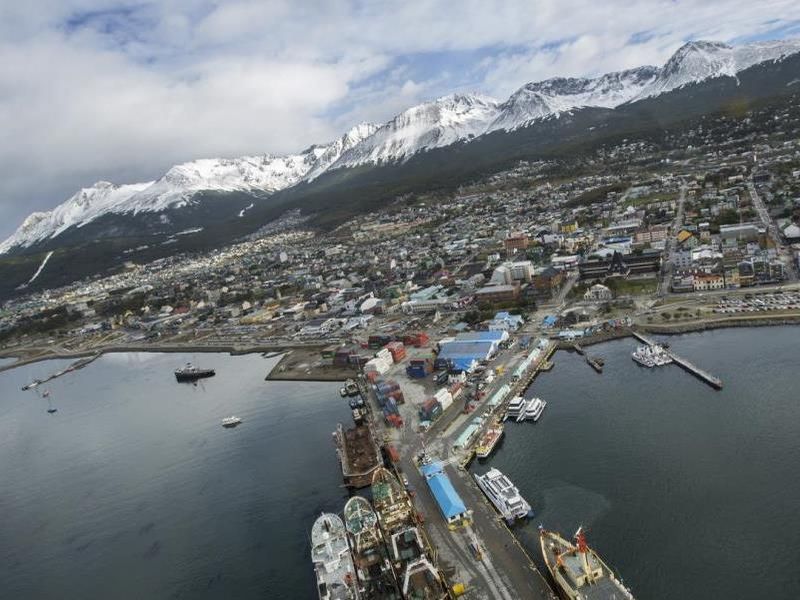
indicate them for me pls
(520, 409)
(578, 571)
(489, 440)
(503, 495)
(409, 552)
(376, 579)
(333, 563)
(359, 453)
(349, 389)
(651, 355)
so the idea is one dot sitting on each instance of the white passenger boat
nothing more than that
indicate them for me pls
(521, 409)
(231, 421)
(504, 496)
(651, 356)
(515, 407)
(535, 409)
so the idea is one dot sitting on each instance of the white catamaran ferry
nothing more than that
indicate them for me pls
(504, 496)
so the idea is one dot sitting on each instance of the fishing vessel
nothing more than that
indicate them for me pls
(503, 495)
(232, 421)
(350, 389)
(409, 552)
(370, 555)
(578, 571)
(192, 373)
(333, 564)
(489, 440)
(651, 356)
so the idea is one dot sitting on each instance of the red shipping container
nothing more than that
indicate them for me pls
(393, 454)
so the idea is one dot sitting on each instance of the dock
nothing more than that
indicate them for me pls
(705, 376)
(78, 364)
(595, 362)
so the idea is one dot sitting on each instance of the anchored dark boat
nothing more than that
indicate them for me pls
(192, 373)
(578, 571)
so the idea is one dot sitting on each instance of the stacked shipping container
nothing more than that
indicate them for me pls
(419, 368)
(397, 350)
(417, 339)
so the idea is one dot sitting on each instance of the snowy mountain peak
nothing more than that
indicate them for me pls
(700, 60)
(441, 122)
(434, 124)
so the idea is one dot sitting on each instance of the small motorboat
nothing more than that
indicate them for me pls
(231, 422)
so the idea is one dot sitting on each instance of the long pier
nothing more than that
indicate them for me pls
(684, 364)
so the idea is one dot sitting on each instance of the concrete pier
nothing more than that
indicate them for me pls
(684, 364)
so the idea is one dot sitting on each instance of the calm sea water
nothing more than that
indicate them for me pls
(134, 490)
(688, 492)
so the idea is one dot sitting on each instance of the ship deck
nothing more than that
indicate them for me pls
(361, 454)
(601, 589)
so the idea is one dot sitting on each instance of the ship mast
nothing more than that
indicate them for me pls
(583, 549)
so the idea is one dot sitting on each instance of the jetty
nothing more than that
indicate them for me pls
(595, 362)
(684, 364)
(78, 364)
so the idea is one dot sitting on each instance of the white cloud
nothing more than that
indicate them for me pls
(94, 89)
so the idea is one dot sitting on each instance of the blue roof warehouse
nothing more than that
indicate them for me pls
(450, 503)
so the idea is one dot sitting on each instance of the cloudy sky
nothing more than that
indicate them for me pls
(98, 89)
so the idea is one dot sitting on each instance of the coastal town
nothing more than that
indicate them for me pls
(438, 312)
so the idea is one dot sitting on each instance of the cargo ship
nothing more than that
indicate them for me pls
(192, 373)
(333, 563)
(359, 454)
(409, 553)
(579, 573)
(489, 440)
(376, 578)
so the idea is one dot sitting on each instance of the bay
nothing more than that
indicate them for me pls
(688, 492)
(134, 490)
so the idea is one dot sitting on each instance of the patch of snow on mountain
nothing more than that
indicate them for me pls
(423, 127)
(81, 208)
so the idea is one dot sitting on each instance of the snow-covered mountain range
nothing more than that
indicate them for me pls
(452, 119)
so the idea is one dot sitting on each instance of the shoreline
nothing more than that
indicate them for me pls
(341, 374)
(233, 350)
(681, 328)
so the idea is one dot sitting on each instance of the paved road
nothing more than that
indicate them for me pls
(666, 266)
(505, 571)
(772, 230)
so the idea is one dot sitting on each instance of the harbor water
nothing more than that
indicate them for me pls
(134, 490)
(686, 491)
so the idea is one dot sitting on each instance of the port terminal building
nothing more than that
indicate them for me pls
(466, 350)
(449, 502)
